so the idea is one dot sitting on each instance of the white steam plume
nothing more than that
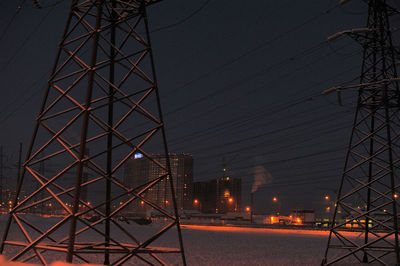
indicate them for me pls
(261, 177)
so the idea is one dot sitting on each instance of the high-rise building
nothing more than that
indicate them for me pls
(219, 195)
(139, 171)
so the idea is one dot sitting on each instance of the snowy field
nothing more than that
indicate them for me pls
(243, 246)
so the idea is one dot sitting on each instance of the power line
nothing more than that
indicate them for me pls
(294, 158)
(7, 27)
(194, 13)
(245, 119)
(278, 149)
(39, 5)
(305, 99)
(26, 40)
(254, 49)
(13, 103)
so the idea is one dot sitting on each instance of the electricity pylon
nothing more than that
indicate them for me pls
(368, 196)
(102, 96)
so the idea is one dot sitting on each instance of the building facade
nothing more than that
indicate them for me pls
(140, 171)
(219, 195)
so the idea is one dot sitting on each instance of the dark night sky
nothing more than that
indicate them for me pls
(238, 80)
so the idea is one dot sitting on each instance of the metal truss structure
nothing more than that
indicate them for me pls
(368, 196)
(102, 99)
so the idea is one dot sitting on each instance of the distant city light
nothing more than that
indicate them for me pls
(327, 197)
(196, 201)
(248, 209)
(274, 199)
(230, 200)
(227, 194)
(137, 156)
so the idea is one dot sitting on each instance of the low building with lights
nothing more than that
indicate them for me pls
(303, 217)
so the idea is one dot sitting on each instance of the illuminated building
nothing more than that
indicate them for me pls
(140, 170)
(220, 195)
(303, 216)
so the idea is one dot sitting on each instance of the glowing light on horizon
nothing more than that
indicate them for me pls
(268, 230)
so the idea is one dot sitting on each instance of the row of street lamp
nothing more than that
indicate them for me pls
(197, 203)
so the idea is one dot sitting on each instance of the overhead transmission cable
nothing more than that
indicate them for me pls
(201, 7)
(280, 161)
(255, 49)
(252, 138)
(248, 78)
(7, 27)
(25, 41)
(275, 141)
(275, 152)
(241, 82)
(37, 4)
(261, 112)
(33, 88)
(236, 99)
(194, 13)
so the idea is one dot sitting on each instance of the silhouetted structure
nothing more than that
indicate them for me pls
(102, 96)
(370, 180)
(219, 195)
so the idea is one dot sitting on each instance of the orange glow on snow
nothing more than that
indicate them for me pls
(4, 262)
(266, 230)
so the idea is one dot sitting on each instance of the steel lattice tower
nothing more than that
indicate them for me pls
(102, 97)
(368, 194)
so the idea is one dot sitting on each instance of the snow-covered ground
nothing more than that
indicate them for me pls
(218, 245)
(244, 246)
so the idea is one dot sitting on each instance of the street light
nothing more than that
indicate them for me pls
(275, 200)
(197, 205)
